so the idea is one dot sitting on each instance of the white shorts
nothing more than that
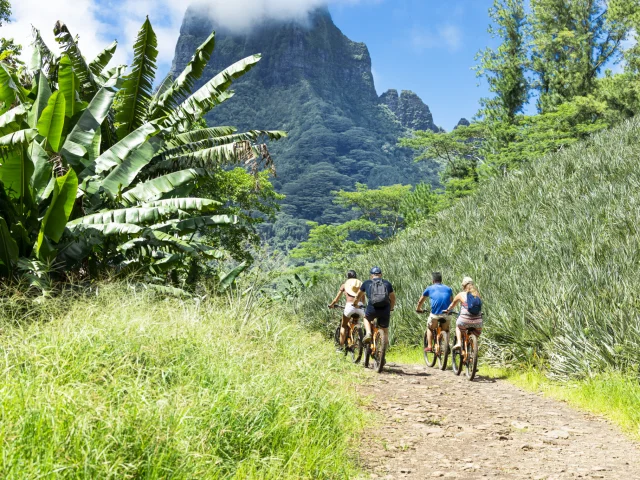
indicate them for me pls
(349, 310)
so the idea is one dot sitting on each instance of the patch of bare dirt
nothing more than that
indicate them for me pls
(438, 425)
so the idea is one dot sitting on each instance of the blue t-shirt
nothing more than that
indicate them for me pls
(440, 296)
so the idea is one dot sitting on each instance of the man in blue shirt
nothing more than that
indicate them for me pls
(441, 297)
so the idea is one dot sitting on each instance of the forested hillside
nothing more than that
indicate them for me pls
(317, 85)
(553, 249)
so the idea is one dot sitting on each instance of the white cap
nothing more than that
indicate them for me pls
(466, 281)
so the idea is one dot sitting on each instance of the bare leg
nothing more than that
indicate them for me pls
(458, 338)
(429, 337)
(343, 330)
(367, 326)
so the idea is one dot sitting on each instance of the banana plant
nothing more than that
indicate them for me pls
(97, 167)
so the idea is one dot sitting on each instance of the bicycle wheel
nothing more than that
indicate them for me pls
(429, 357)
(336, 336)
(443, 354)
(456, 359)
(356, 344)
(378, 357)
(472, 363)
(367, 356)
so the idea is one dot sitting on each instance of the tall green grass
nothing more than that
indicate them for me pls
(554, 250)
(123, 384)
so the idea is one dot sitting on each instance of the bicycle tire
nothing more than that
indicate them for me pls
(336, 337)
(381, 349)
(443, 355)
(456, 359)
(356, 346)
(429, 357)
(367, 356)
(472, 363)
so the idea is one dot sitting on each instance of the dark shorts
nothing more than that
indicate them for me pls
(383, 316)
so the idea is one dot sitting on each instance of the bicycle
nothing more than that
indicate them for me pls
(377, 349)
(467, 355)
(440, 348)
(353, 341)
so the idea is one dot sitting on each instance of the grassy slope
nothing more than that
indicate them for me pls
(125, 385)
(554, 250)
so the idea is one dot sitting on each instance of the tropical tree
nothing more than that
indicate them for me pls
(97, 168)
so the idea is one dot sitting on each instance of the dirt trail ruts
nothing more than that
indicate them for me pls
(437, 425)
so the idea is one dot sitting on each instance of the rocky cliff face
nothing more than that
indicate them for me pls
(317, 84)
(409, 109)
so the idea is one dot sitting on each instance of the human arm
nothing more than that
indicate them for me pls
(335, 300)
(392, 299)
(456, 301)
(420, 304)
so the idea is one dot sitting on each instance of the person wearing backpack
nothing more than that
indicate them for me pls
(470, 310)
(381, 300)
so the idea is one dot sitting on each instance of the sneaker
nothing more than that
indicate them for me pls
(367, 339)
(457, 346)
(428, 349)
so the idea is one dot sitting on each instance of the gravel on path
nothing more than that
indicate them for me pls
(437, 425)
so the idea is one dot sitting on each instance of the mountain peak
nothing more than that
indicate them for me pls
(410, 110)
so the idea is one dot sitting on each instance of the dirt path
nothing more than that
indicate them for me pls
(442, 426)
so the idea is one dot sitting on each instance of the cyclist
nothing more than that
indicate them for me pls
(350, 288)
(440, 296)
(467, 319)
(381, 302)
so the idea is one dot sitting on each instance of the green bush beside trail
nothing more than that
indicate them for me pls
(123, 384)
(554, 250)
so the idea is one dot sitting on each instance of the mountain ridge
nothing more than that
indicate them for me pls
(317, 84)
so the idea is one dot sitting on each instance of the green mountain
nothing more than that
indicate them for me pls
(554, 250)
(317, 84)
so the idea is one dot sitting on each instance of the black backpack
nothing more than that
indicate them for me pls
(378, 293)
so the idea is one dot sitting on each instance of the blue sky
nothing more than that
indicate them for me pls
(427, 46)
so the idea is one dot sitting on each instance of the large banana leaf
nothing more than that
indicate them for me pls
(10, 91)
(192, 248)
(158, 187)
(83, 133)
(16, 168)
(119, 152)
(122, 175)
(182, 86)
(8, 249)
(47, 59)
(148, 214)
(211, 93)
(13, 120)
(208, 159)
(138, 85)
(202, 134)
(222, 140)
(69, 47)
(98, 64)
(195, 224)
(186, 204)
(57, 216)
(41, 182)
(108, 229)
(42, 99)
(68, 84)
(51, 121)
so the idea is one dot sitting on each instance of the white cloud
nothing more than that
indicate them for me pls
(448, 36)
